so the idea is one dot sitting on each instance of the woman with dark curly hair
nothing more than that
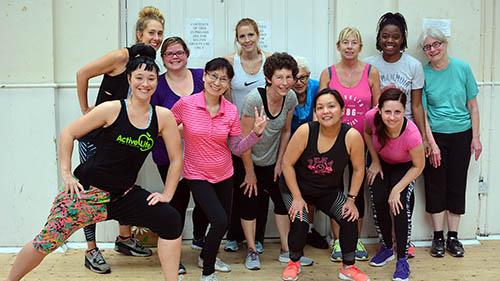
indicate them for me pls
(264, 162)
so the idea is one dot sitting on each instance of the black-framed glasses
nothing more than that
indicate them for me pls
(303, 78)
(435, 45)
(179, 53)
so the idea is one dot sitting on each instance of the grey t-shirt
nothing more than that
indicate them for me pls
(265, 152)
(407, 74)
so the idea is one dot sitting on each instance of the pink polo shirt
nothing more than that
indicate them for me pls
(206, 151)
(395, 150)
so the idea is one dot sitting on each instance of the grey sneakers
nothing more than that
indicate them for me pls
(131, 247)
(96, 262)
(284, 257)
(252, 260)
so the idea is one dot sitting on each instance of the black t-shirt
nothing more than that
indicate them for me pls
(122, 149)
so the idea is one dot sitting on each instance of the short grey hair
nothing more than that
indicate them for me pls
(302, 62)
(431, 32)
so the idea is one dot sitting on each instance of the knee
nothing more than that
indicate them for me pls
(221, 223)
(169, 226)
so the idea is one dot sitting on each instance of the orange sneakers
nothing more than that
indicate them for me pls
(352, 273)
(291, 271)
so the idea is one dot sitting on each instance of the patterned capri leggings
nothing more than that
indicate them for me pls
(68, 215)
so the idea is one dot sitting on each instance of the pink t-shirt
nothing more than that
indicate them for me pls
(206, 152)
(396, 150)
(357, 99)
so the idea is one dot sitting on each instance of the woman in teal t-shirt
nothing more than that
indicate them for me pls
(453, 133)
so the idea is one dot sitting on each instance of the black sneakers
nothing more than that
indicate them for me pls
(454, 247)
(437, 248)
(315, 239)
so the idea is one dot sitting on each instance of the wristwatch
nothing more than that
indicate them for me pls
(351, 196)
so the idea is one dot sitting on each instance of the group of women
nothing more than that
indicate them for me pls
(249, 136)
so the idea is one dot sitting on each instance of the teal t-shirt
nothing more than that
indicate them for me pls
(445, 96)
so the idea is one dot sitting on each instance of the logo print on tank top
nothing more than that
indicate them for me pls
(144, 142)
(320, 165)
(250, 83)
(352, 110)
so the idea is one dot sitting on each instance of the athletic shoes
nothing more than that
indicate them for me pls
(231, 246)
(402, 272)
(197, 244)
(383, 256)
(411, 251)
(219, 265)
(454, 247)
(284, 257)
(315, 239)
(437, 248)
(259, 247)
(131, 247)
(351, 272)
(210, 277)
(336, 255)
(182, 269)
(361, 252)
(252, 260)
(96, 262)
(291, 271)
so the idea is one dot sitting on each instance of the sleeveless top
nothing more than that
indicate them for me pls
(113, 87)
(164, 96)
(317, 173)
(358, 99)
(122, 151)
(242, 82)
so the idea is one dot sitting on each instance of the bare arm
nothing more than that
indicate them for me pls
(324, 79)
(227, 95)
(418, 160)
(418, 112)
(112, 63)
(355, 148)
(473, 109)
(101, 116)
(374, 80)
(295, 148)
(250, 181)
(375, 167)
(284, 138)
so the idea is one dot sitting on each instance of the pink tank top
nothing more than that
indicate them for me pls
(358, 99)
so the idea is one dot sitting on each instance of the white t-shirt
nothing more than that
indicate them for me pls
(406, 74)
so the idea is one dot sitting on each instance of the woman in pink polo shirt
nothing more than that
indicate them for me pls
(211, 132)
(397, 153)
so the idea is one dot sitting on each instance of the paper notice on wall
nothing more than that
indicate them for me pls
(265, 35)
(442, 24)
(199, 36)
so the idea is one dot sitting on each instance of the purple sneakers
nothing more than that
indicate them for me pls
(383, 256)
(402, 272)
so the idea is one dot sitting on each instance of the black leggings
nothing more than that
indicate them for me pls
(235, 232)
(330, 204)
(380, 191)
(215, 201)
(180, 202)
(359, 201)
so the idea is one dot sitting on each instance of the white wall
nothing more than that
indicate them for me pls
(56, 38)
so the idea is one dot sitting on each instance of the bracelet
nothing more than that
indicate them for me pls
(351, 196)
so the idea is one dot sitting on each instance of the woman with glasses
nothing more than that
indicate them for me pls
(264, 160)
(212, 131)
(178, 81)
(248, 62)
(453, 131)
(359, 85)
(114, 86)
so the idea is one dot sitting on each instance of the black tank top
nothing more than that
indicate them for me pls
(113, 87)
(320, 173)
(122, 149)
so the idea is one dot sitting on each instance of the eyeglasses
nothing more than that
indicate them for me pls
(213, 77)
(434, 45)
(179, 54)
(303, 78)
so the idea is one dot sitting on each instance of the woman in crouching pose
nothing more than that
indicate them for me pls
(313, 167)
(128, 130)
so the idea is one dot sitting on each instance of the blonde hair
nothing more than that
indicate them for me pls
(146, 15)
(243, 22)
(350, 31)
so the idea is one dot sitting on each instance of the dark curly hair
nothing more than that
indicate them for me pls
(278, 61)
(396, 19)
